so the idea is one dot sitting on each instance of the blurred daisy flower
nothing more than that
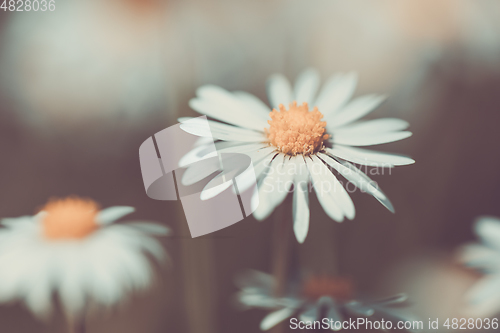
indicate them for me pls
(293, 144)
(484, 297)
(78, 74)
(313, 299)
(73, 248)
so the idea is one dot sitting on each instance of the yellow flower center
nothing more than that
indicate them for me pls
(296, 130)
(316, 287)
(69, 218)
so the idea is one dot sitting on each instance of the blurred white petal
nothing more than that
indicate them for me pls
(369, 157)
(220, 131)
(279, 91)
(357, 139)
(358, 178)
(301, 208)
(306, 87)
(488, 228)
(111, 214)
(354, 110)
(332, 191)
(335, 93)
(377, 126)
(275, 318)
(220, 104)
(274, 187)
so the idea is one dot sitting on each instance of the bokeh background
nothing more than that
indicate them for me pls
(82, 87)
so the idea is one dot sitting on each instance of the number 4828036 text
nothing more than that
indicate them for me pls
(28, 5)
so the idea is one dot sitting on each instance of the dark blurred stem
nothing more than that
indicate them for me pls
(76, 325)
(282, 238)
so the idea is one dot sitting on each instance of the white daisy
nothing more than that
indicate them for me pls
(484, 297)
(72, 249)
(313, 299)
(298, 145)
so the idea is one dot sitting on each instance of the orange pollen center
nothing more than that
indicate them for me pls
(296, 130)
(69, 218)
(318, 286)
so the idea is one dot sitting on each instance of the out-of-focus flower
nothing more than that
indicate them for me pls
(311, 299)
(86, 58)
(293, 146)
(73, 249)
(391, 42)
(484, 297)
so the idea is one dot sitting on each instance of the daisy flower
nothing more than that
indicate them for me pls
(295, 144)
(313, 299)
(484, 297)
(73, 249)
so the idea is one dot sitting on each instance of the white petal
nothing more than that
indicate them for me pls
(488, 228)
(257, 105)
(279, 91)
(261, 160)
(48, 268)
(354, 110)
(197, 126)
(13, 222)
(335, 93)
(233, 169)
(358, 178)
(369, 140)
(220, 104)
(480, 256)
(111, 214)
(483, 296)
(326, 200)
(25, 270)
(330, 192)
(256, 279)
(306, 87)
(198, 171)
(248, 149)
(72, 282)
(203, 152)
(118, 263)
(369, 157)
(215, 187)
(200, 141)
(197, 154)
(376, 126)
(39, 299)
(275, 318)
(150, 228)
(487, 287)
(334, 315)
(274, 187)
(310, 314)
(301, 208)
(246, 179)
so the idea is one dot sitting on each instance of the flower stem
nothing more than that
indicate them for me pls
(76, 325)
(282, 238)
